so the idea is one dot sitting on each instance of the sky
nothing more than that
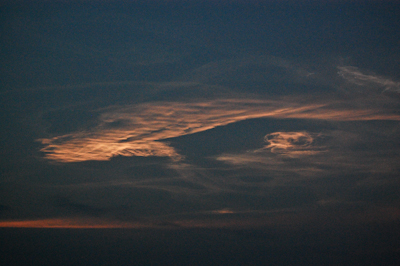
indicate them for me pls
(187, 127)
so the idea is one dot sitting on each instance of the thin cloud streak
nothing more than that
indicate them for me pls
(137, 130)
(283, 218)
(354, 75)
(76, 223)
(291, 156)
(311, 166)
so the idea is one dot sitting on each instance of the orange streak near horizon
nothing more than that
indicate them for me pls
(223, 219)
(66, 223)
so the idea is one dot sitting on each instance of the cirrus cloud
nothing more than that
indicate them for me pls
(138, 130)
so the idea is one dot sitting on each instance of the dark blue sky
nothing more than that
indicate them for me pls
(192, 126)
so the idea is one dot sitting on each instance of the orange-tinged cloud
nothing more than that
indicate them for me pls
(68, 223)
(137, 130)
(223, 211)
(291, 143)
(226, 218)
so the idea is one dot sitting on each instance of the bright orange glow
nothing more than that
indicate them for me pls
(137, 130)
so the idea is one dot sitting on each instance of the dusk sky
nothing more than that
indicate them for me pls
(200, 132)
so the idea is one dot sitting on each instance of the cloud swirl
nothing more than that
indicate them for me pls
(291, 144)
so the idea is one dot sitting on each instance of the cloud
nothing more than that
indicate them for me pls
(284, 218)
(78, 222)
(291, 144)
(293, 157)
(141, 130)
(355, 76)
(297, 156)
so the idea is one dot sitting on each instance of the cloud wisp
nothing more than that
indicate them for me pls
(290, 156)
(284, 218)
(291, 144)
(139, 129)
(355, 76)
(76, 223)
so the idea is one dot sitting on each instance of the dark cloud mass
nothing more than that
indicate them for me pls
(271, 123)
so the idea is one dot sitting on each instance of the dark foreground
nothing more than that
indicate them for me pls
(367, 245)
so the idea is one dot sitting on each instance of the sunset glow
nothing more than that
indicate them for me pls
(68, 223)
(143, 126)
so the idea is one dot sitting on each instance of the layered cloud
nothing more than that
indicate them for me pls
(294, 167)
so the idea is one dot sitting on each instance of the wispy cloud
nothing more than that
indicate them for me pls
(297, 156)
(354, 75)
(69, 223)
(291, 144)
(137, 130)
(284, 218)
